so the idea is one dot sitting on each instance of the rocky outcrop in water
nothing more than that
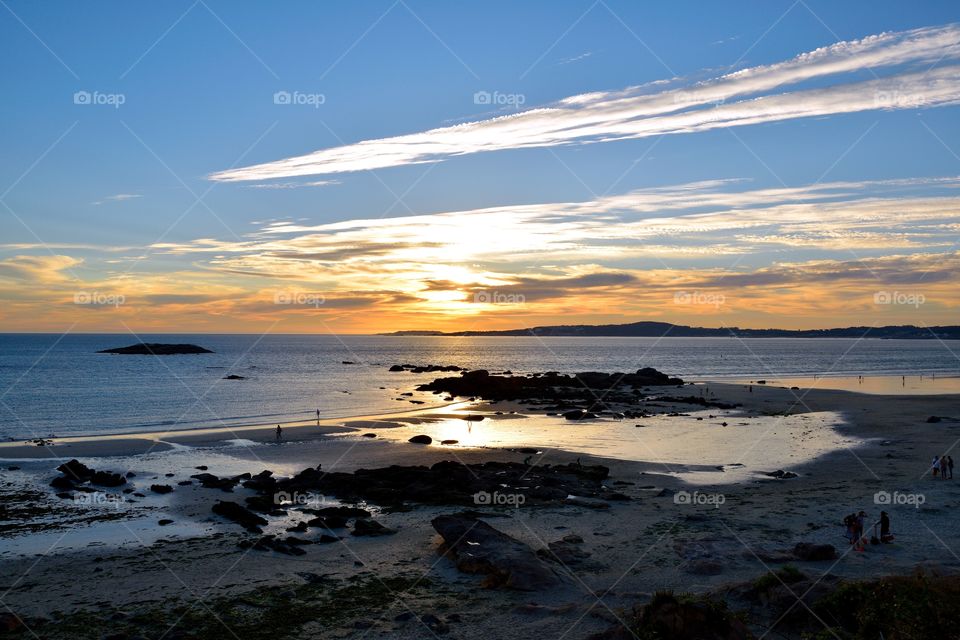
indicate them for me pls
(586, 386)
(157, 349)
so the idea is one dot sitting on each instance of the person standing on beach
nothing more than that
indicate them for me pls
(935, 467)
(318, 417)
(950, 466)
(943, 467)
(279, 434)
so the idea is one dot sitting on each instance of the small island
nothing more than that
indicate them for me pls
(157, 349)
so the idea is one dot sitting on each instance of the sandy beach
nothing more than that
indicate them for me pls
(685, 526)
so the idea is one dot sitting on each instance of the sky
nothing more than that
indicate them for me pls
(316, 167)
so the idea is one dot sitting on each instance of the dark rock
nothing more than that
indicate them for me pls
(161, 488)
(476, 547)
(157, 349)
(234, 376)
(421, 439)
(239, 514)
(449, 441)
(185, 483)
(364, 527)
(934, 419)
(107, 479)
(369, 435)
(76, 471)
(578, 414)
(473, 418)
(164, 522)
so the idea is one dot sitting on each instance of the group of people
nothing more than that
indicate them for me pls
(941, 466)
(855, 524)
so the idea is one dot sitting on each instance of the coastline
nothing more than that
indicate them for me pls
(636, 547)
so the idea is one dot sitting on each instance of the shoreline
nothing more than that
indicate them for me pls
(630, 549)
(264, 431)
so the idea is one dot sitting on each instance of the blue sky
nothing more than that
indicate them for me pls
(197, 82)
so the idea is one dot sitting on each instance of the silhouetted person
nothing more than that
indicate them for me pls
(318, 417)
(950, 466)
(279, 434)
(885, 527)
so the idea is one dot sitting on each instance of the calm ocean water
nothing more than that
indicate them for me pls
(59, 385)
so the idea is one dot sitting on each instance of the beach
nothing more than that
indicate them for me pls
(689, 524)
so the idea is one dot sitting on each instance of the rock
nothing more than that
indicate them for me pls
(62, 482)
(76, 471)
(934, 419)
(164, 522)
(161, 488)
(107, 479)
(234, 376)
(202, 467)
(239, 514)
(814, 552)
(476, 547)
(449, 441)
(421, 439)
(780, 474)
(578, 414)
(473, 418)
(369, 435)
(157, 349)
(185, 483)
(364, 527)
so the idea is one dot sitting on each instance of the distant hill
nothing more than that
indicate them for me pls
(660, 329)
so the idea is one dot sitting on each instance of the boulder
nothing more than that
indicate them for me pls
(161, 488)
(239, 514)
(476, 547)
(364, 527)
(421, 439)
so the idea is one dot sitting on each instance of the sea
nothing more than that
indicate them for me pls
(59, 385)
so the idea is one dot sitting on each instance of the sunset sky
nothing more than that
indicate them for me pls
(218, 166)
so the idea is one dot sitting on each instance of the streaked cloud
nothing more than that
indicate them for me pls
(118, 197)
(916, 64)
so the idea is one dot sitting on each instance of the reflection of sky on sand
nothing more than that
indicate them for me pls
(885, 385)
(675, 445)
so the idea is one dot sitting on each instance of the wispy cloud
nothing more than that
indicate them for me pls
(292, 185)
(118, 197)
(750, 96)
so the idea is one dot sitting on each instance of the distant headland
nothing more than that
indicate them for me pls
(665, 329)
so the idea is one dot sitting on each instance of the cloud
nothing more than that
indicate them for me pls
(37, 269)
(292, 185)
(119, 197)
(746, 97)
